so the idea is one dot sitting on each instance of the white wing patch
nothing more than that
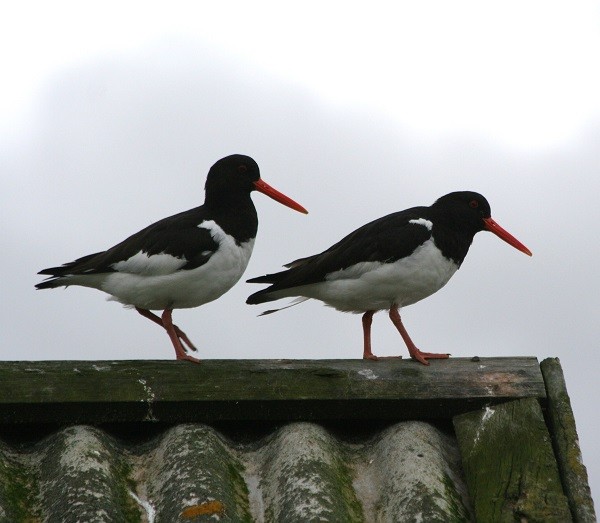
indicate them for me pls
(375, 285)
(154, 265)
(216, 232)
(422, 221)
(157, 284)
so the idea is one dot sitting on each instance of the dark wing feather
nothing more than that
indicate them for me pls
(177, 235)
(386, 239)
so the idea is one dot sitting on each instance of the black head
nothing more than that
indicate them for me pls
(232, 179)
(236, 173)
(469, 212)
(468, 209)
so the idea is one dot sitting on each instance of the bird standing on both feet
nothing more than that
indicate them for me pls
(183, 261)
(389, 263)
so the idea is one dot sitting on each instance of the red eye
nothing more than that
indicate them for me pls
(242, 168)
(474, 204)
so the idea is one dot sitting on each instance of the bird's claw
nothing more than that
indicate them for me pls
(422, 357)
(372, 357)
(187, 357)
(183, 337)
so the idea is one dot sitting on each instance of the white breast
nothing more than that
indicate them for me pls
(157, 284)
(375, 285)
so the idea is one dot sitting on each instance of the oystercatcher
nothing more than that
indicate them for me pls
(182, 261)
(389, 263)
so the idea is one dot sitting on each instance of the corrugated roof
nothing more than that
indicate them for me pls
(300, 472)
(462, 454)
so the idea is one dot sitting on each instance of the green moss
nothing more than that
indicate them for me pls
(240, 490)
(458, 511)
(509, 464)
(18, 492)
(566, 446)
(337, 498)
(412, 372)
(344, 479)
(338, 477)
(125, 484)
(306, 476)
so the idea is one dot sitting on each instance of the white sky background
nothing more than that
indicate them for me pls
(110, 118)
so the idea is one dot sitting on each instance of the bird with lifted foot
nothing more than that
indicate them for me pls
(182, 261)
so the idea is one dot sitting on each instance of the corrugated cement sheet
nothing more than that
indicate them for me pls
(298, 472)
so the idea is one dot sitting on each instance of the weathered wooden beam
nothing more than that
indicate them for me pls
(566, 444)
(217, 390)
(509, 464)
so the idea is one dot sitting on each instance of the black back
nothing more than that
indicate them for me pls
(455, 218)
(228, 186)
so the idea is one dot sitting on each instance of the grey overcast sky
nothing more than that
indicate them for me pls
(110, 118)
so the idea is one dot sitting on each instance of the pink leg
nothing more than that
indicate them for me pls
(367, 319)
(167, 322)
(156, 319)
(415, 353)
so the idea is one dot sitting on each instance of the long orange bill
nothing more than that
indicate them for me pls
(265, 188)
(492, 226)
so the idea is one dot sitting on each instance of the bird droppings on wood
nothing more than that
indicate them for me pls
(368, 373)
(150, 396)
(488, 413)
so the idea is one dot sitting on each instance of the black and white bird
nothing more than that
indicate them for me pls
(389, 263)
(182, 261)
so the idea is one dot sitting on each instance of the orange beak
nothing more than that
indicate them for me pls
(492, 226)
(265, 188)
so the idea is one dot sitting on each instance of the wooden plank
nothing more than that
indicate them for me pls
(509, 464)
(566, 444)
(215, 390)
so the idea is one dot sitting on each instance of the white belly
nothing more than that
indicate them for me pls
(376, 286)
(184, 288)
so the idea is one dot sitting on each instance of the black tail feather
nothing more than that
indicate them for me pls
(267, 278)
(259, 297)
(70, 267)
(56, 273)
(50, 283)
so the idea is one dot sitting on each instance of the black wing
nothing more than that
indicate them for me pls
(386, 239)
(178, 236)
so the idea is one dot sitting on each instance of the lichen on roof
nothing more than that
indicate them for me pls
(298, 472)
